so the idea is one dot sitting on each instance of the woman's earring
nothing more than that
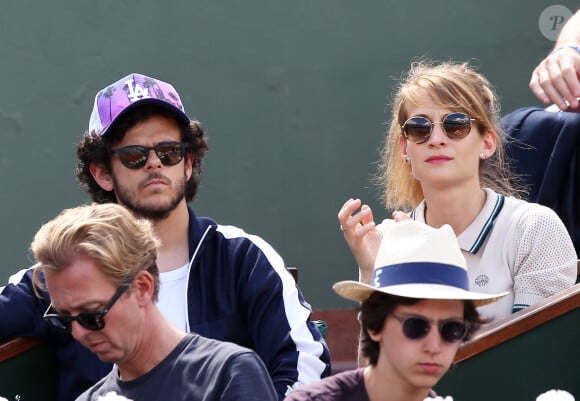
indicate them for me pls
(406, 159)
(482, 156)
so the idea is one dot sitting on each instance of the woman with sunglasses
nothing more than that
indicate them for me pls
(443, 163)
(414, 316)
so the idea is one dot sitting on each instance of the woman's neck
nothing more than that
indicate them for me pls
(457, 207)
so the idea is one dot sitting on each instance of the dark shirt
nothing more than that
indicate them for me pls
(543, 148)
(198, 369)
(344, 386)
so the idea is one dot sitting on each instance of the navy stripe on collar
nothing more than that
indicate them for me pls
(488, 224)
(420, 273)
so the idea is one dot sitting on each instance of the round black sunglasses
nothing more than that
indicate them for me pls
(417, 327)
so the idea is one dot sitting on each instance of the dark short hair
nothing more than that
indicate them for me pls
(374, 311)
(94, 148)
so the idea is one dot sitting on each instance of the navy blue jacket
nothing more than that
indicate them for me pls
(544, 149)
(238, 290)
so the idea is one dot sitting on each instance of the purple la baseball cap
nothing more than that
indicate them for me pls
(135, 89)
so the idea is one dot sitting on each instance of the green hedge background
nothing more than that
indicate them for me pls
(293, 95)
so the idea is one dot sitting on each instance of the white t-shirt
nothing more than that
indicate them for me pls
(172, 296)
(515, 246)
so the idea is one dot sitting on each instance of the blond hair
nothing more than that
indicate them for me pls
(459, 88)
(119, 244)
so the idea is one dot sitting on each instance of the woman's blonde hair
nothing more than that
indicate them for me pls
(108, 234)
(459, 88)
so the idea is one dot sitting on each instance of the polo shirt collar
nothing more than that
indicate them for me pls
(474, 236)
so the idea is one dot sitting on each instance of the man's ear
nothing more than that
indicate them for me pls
(145, 287)
(376, 337)
(188, 160)
(102, 176)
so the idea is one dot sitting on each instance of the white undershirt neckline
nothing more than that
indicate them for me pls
(172, 296)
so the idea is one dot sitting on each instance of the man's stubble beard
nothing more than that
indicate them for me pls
(129, 199)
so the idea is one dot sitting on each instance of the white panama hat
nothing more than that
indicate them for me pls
(417, 261)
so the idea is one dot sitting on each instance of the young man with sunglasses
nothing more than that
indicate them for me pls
(414, 316)
(143, 152)
(99, 265)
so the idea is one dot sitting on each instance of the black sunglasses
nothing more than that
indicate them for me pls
(135, 156)
(455, 125)
(417, 327)
(92, 320)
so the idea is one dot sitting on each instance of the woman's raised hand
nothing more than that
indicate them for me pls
(361, 235)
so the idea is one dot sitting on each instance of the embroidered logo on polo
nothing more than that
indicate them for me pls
(481, 280)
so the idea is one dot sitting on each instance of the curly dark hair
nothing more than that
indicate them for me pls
(374, 311)
(94, 148)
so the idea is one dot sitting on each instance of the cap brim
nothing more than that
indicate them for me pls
(179, 114)
(357, 291)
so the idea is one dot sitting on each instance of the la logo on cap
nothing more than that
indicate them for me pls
(136, 91)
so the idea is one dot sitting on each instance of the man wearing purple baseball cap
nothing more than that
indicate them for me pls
(144, 152)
